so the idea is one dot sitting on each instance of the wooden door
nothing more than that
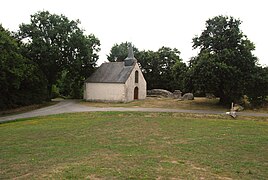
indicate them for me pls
(136, 93)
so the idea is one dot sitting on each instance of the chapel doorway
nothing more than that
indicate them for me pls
(136, 93)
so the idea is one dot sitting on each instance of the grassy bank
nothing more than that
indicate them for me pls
(116, 145)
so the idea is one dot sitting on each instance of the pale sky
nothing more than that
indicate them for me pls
(148, 24)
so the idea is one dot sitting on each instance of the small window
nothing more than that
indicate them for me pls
(136, 77)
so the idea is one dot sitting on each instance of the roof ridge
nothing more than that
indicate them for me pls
(112, 72)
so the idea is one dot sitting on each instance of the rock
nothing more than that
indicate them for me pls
(210, 96)
(159, 93)
(177, 94)
(188, 96)
(237, 107)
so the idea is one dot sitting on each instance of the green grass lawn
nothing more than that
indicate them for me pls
(132, 145)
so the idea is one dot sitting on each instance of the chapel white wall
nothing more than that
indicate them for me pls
(104, 92)
(130, 85)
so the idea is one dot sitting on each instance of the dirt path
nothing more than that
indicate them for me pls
(69, 106)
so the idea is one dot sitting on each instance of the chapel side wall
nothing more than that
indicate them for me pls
(104, 92)
(130, 85)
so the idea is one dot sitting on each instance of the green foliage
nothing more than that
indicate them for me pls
(71, 85)
(257, 91)
(120, 51)
(58, 44)
(149, 66)
(163, 68)
(179, 70)
(21, 81)
(64, 84)
(81, 66)
(225, 62)
(55, 92)
(157, 67)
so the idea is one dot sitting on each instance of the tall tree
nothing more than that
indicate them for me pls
(83, 62)
(179, 70)
(120, 51)
(225, 61)
(168, 58)
(257, 90)
(21, 81)
(55, 43)
(159, 68)
(149, 66)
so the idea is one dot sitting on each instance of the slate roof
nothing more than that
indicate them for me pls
(112, 72)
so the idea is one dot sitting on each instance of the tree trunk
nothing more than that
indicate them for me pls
(224, 100)
(49, 92)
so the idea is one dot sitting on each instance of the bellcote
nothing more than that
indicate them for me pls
(129, 61)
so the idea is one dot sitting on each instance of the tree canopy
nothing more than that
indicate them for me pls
(225, 62)
(55, 43)
(21, 81)
(120, 51)
(163, 68)
(257, 90)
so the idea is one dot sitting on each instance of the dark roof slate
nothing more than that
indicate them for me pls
(112, 72)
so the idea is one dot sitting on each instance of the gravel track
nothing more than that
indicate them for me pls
(69, 106)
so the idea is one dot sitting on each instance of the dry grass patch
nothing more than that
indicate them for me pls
(152, 102)
(199, 103)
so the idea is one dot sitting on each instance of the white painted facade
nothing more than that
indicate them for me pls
(130, 85)
(104, 92)
(117, 92)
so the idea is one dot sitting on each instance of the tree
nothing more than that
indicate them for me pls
(257, 90)
(21, 81)
(179, 70)
(82, 64)
(168, 58)
(162, 68)
(148, 61)
(55, 43)
(225, 61)
(120, 51)
(157, 67)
